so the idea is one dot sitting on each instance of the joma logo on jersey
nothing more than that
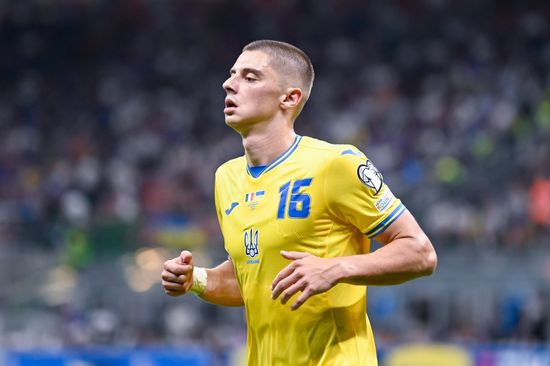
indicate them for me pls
(251, 240)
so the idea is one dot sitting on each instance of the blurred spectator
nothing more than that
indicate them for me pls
(539, 201)
(111, 128)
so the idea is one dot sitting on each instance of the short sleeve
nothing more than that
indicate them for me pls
(356, 193)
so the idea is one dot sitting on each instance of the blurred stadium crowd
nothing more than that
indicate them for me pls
(111, 120)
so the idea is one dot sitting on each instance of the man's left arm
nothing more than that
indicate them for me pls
(407, 254)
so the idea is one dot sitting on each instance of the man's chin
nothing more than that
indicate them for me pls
(237, 124)
(232, 120)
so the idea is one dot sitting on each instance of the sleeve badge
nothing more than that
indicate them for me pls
(369, 175)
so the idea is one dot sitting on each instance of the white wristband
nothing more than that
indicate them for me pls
(199, 281)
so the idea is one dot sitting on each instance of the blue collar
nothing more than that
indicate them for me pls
(255, 171)
(279, 160)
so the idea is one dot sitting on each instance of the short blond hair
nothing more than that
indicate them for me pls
(288, 59)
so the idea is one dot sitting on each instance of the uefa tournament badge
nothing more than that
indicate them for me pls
(369, 175)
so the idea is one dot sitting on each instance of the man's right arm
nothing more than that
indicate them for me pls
(221, 288)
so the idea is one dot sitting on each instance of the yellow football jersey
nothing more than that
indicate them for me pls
(319, 198)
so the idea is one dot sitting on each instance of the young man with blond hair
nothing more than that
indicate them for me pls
(297, 215)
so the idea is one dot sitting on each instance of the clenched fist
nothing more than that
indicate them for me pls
(177, 276)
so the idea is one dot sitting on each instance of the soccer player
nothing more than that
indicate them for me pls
(297, 215)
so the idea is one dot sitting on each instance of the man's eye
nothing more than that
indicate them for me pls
(248, 78)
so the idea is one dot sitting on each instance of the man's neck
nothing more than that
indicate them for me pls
(264, 144)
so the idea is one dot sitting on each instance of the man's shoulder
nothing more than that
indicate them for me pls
(329, 150)
(231, 165)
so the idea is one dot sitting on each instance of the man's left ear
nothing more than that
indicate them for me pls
(291, 98)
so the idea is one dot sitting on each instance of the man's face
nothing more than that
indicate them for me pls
(253, 90)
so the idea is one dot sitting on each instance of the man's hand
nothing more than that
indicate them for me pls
(307, 273)
(177, 276)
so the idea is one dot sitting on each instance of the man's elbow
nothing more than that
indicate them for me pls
(428, 261)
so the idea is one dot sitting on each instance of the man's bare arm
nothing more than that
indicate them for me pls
(222, 287)
(407, 254)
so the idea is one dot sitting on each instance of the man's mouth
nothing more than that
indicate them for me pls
(229, 105)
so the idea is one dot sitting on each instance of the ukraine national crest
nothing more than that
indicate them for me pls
(251, 238)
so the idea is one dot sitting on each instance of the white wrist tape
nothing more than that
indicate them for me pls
(199, 281)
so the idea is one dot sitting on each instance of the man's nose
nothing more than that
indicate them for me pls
(229, 85)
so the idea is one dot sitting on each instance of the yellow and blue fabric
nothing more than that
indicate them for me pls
(320, 198)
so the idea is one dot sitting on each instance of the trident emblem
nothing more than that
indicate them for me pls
(251, 237)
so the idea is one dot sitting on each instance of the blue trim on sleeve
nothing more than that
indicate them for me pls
(387, 221)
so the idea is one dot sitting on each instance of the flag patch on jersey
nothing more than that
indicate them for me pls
(253, 198)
